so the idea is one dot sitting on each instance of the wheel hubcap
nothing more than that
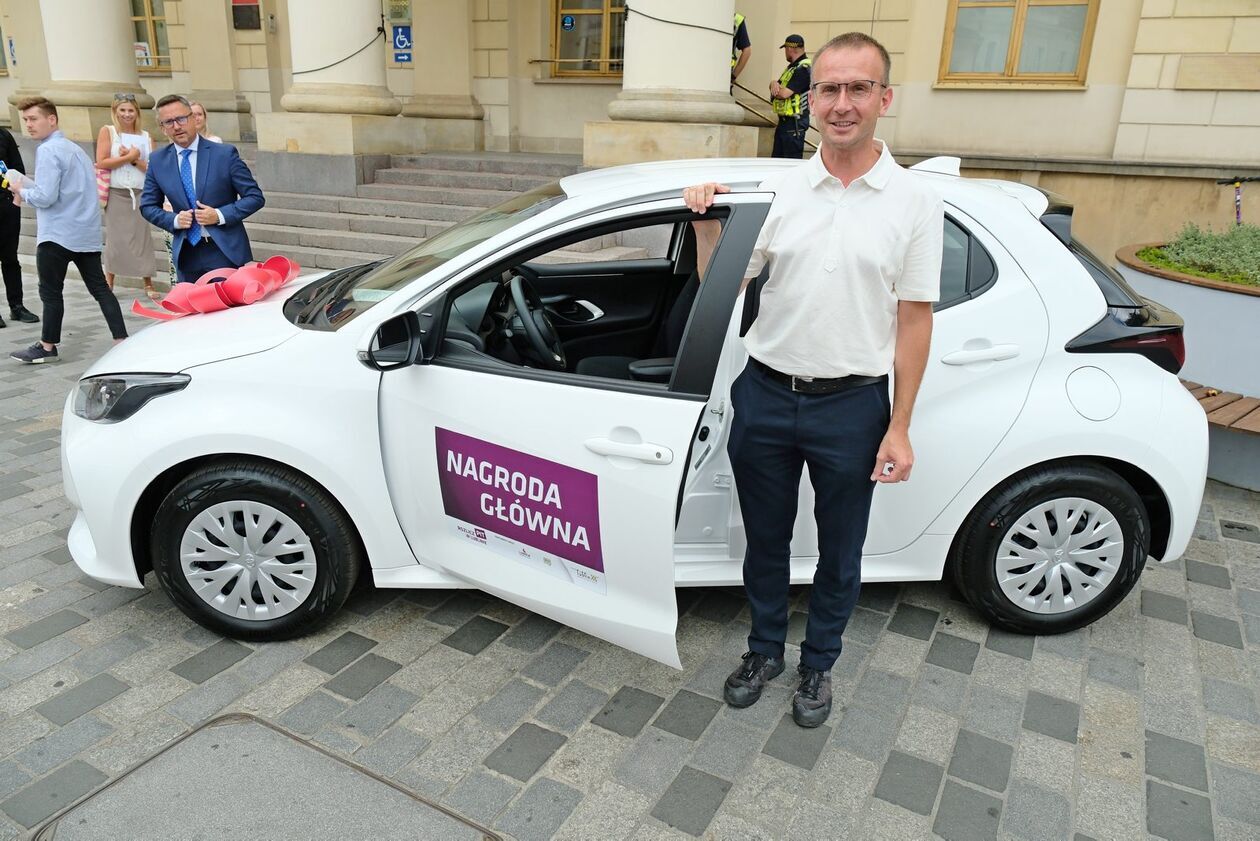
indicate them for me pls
(1060, 555)
(248, 560)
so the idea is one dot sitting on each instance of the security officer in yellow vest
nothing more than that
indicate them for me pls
(790, 98)
(741, 48)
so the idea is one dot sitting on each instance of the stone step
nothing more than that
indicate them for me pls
(475, 199)
(508, 182)
(281, 237)
(361, 223)
(553, 166)
(315, 259)
(380, 206)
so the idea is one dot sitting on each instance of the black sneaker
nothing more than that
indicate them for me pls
(812, 702)
(744, 685)
(35, 354)
(21, 313)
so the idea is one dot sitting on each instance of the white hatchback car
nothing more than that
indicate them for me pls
(535, 403)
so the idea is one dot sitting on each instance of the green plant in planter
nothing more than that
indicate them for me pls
(1232, 256)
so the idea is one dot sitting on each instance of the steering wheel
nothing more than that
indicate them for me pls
(542, 336)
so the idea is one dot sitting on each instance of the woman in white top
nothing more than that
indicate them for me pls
(199, 120)
(123, 149)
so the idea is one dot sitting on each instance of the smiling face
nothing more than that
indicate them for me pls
(127, 114)
(176, 121)
(848, 126)
(37, 124)
(199, 117)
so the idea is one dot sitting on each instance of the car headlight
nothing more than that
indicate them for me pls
(110, 398)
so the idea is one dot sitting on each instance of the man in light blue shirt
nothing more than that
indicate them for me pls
(67, 225)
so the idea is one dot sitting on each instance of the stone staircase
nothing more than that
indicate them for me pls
(414, 198)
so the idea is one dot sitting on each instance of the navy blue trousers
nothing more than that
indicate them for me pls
(196, 260)
(775, 432)
(789, 137)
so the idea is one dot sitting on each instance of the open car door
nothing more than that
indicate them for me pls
(558, 492)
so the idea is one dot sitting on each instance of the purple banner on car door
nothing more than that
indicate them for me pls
(534, 502)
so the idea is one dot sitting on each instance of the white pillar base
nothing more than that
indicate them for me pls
(615, 142)
(673, 105)
(338, 134)
(336, 98)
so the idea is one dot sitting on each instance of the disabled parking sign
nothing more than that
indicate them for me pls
(402, 44)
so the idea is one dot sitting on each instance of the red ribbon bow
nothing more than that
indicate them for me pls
(222, 288)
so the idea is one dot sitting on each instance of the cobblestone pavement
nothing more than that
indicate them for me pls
(1146, 724)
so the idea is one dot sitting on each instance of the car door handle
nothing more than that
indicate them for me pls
(651, 453)
(993, 353)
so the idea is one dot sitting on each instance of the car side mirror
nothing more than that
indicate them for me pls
(396, 344)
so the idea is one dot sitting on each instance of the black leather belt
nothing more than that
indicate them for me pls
(817, 385)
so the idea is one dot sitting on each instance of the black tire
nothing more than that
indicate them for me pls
(333, 542)
(974, 559)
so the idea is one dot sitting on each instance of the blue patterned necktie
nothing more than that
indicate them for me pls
(185, 175)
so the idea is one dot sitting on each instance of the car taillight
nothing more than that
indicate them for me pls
(1152, 330)
(1166, 349)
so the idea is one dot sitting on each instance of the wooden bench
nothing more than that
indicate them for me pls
(1227, 410)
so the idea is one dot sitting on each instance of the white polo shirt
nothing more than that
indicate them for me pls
(840, 260)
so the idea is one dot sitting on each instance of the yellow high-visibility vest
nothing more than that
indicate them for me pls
(739, 20)
(790, 107)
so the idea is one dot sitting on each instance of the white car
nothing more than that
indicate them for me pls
(535, 403)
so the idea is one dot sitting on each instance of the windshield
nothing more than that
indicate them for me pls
(341, 296)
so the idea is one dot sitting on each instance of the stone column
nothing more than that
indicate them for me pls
(89, 60)
(23, 23)
(443, 62)
(675, 98)
(212, 69)
(339, 116)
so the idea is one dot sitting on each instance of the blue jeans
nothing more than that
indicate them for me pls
(775, 432)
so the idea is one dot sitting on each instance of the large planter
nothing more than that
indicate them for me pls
(1222, 322)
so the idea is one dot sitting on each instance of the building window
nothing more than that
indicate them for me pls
(4, 54)
(1018, 41)
(148, 20)
(589, 37)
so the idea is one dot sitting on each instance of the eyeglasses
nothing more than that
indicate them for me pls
(124, 97)
(175, 121)
(859, 90)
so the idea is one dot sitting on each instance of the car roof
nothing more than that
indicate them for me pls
(637, 182)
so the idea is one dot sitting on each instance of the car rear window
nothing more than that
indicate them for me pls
(1116, 290)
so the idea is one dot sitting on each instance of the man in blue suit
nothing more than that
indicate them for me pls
(210, 190)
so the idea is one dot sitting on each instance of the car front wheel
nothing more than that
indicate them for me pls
(254, 551)
(1052, 549)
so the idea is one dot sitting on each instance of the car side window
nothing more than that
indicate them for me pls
(650, 242)
(967, 270)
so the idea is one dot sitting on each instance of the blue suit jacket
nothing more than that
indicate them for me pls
(223, 181)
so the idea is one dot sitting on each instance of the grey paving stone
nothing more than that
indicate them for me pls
(392, 750)
(539, 812)
(798, 624)
(1159, 605)
(49, 794)
(358, 680)
(866, 733)
(880, 690)
(1176, 814)
(554, 664)
(207, 663)
(909, 782)
(1073, 645)
(628, 711)
(1051, 716)
(1176, 761)
(1248, 600)
(1214, 575)
(795, 745)
(1251, 628)
(93, 661)
(691, 801)
(1216, 629)
(29, 636)
(43, 755)
(203, 702)
(481, 796)
(525, 751)
(571, 707)
(1240, 531)
(951, 652)
(880, 597)
(12, 778)
(981, 760)
(379, 709)
(1237, 794)
(718, 606)
(474, 635)
(1119, 670)
(940, 689)
(1230, 699)
(341, 652)
(506, 707)
(727, 749)
(687, 714)
(532, 633)
(1036, 814)
(312, 712)
(34, 660)
(966, 814)
(865, 626)
(85, 697)
(993, 713)
(458, 609)
(1205, 529)
(367, 600)
(913, 621)
(652, 761)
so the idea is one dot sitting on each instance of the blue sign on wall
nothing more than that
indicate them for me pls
(402, 37)
(402, 58)
(567, 22)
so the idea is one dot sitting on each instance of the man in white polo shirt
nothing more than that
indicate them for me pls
(853, 246)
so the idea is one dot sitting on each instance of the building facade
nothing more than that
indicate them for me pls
(1133, 107)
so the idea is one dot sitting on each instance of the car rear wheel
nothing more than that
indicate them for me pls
(254, 551)
(1052, 549)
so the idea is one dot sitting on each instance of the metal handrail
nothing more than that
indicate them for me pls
(774, 122)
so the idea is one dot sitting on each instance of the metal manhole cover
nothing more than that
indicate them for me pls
(240, 777)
